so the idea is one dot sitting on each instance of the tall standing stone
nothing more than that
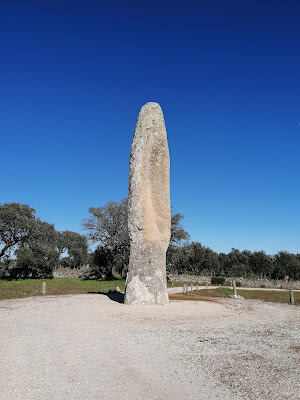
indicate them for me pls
(149, 213)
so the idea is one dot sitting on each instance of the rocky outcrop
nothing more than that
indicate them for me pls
(149, 214)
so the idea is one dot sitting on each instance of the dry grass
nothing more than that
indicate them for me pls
(212, 294)
(56, 286)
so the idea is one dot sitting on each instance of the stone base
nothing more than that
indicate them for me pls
(146, 281)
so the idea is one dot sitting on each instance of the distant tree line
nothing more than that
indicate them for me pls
(194, 258)
(31, 248)
(107, 227)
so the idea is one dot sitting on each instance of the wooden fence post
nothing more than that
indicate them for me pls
(44, 288)
(292, 300)
(234, 288)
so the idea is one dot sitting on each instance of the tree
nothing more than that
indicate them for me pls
(108, 227)
(211, 261)
(192, 258)
(197, 255)
(100, 264)
(17, 222)
(261, 264)
(37, 244)
(286, 263)
(178, 234)
(224, 263)
(238, 263)
(178, 258)
(38, 256)
(76, 246)
(178, 251)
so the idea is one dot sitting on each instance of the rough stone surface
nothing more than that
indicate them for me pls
(149, 214)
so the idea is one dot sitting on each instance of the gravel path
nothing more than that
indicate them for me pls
(91, 347)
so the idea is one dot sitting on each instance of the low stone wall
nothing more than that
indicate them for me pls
(69, 272)
(201, 279)
(188, 278)
(268, 283)
(243, 282)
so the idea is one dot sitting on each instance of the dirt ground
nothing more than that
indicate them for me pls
(93, 347)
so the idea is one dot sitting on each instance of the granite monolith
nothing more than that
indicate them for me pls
(149, 213)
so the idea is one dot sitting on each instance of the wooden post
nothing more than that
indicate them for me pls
(206, 285)
(292, 300)
(44, 288)
(234, 288)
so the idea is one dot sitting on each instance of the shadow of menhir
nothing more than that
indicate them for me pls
(113, 295)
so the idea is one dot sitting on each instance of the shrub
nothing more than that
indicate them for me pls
(217, 280)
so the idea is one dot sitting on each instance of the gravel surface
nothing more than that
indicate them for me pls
(92, 347)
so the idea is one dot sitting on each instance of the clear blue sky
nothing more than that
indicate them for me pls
(74, 75)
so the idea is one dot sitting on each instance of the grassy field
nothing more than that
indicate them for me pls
(176, 284)
(61, 286)
(56, 286)
(210, 294)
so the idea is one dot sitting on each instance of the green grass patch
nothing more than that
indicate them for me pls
(274, 295)
(175, 284)
(210, 294)
(56, 286)
(204, 294)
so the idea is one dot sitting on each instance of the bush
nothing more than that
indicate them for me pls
(217, 280)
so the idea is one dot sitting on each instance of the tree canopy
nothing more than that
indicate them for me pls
(75, 245)
(30, 247)
(38, 256)
(35, 245)
(108, 227)
(17, 224)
